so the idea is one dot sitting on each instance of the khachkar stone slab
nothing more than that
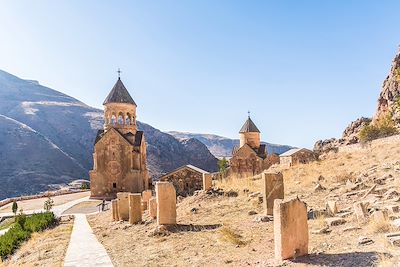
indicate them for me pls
(166, 203)
(272, 189)
(146, 195)
(360, 210)
(123, 205)
(290, 229)
(207, 181)
(153, 207)
(114, 209)
(135, 208)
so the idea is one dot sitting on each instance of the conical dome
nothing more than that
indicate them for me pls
(119, 94)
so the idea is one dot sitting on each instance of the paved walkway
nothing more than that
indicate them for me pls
(57, 210)
(84, 249)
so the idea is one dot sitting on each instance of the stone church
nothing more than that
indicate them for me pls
(119, 158)
(250, 157)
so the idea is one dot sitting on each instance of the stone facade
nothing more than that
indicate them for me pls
(250, 157)
(185, 179)
(119, 158)
(297, 156)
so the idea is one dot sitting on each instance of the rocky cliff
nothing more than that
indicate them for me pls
(388, 105)
(46, 137)
(388, 101)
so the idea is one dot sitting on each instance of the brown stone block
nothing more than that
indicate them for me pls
(360, 210)
(207, 181)
(272, 189)
(114, 209)
(135, 208)
(123, 206)
(153, 207)
(166, 203)
(146, 195)
(290, 229)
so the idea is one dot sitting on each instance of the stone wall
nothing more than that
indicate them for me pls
(185, 181)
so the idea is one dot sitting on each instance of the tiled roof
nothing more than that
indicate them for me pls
(293, 151)
(249, 127)
(119, 94)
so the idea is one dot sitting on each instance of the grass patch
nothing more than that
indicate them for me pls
(228, 235)
(380, 226)
(22, 230)
(382, 128)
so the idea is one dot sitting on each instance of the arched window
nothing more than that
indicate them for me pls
(120, 119)
(113, 120)
(128, 119)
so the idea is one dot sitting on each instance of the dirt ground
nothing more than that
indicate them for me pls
(216, 231)
(34, 204)
(46, 248)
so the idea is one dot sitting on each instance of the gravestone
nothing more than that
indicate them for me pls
(135, 208)
(123, 205)
(166, 203)
(272, 189)
(290, 229)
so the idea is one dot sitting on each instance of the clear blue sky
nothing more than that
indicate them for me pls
(304, 69)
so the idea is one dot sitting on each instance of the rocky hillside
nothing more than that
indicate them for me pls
(221, 146)
(46, 137)
(388, 101)
(388, 105)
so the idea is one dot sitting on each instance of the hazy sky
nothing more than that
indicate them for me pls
(304, 69)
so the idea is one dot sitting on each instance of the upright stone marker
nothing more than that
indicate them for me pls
(166, 203)
(207, 181)
(290, 229)
(146, 195)
(360, 210)
(114, 209)
(272, 189)
(331, 208)
(153, 207)
(123, 206)
(135, 208)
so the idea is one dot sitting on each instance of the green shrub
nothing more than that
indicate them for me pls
(382, 128)
(48, 204)
(12, 240)
(39, 222)
(22, 229)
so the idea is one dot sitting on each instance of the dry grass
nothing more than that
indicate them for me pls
(46, 248)
(229, 235)
(385, 260)
(240, 184)
(380, 226)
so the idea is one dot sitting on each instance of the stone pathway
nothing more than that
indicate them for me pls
(84, 249)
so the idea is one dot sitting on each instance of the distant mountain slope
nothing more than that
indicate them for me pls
(221, 146)
(46, 137)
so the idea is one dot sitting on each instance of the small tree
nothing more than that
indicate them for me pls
(14, 207)
(48, 204)
(222, 166)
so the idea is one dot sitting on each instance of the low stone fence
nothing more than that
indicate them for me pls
(41, 195)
